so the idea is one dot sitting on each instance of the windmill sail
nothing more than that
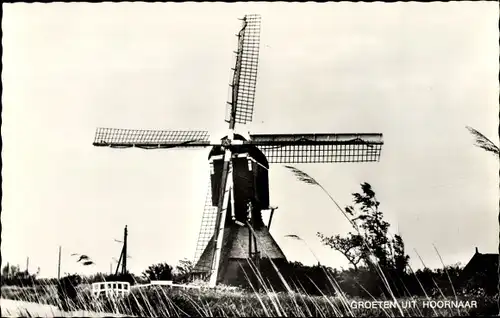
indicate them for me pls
(245, 72)
(206, 231)
(318, 148)
(150, 139)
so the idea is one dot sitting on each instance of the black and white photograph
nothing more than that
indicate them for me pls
(262, 159)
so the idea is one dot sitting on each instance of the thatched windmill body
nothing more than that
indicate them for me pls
(232, 230)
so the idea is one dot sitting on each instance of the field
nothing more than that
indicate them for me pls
(305, 291)
(165, 301)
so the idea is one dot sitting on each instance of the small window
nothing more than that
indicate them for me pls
(119, 286)
(103, 286)
(125, 286)
(114, 286)
(109, 285)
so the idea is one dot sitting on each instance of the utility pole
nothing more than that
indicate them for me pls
(59, 264)
(27, 264)
(123, 255)
(124, 267)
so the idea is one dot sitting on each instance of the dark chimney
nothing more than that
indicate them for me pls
(477, 251)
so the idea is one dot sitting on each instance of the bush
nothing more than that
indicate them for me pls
(160, 271)
(66, 290)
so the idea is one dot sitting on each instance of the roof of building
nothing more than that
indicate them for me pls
(481, 263)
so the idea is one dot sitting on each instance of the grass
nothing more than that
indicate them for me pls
(166, 301)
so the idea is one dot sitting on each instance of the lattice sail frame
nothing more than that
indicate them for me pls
(322, 153)
(207, 229)
(141, 138)
(245, 71)
(319, 148)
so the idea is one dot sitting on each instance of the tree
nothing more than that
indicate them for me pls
(183, 270)
(370, 242)
(371, 239)
(160, 271)
(184, 267)
(13, 275)
(9, 271)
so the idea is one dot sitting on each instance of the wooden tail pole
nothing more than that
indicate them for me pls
(250, 252)
(271, 217)
(257, 263)
(253, 254)
(225, 189)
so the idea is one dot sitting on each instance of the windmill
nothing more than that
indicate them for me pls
(232, 229)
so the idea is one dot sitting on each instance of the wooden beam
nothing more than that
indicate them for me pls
(270, 218)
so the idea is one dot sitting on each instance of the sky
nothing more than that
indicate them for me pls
(416, 72)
